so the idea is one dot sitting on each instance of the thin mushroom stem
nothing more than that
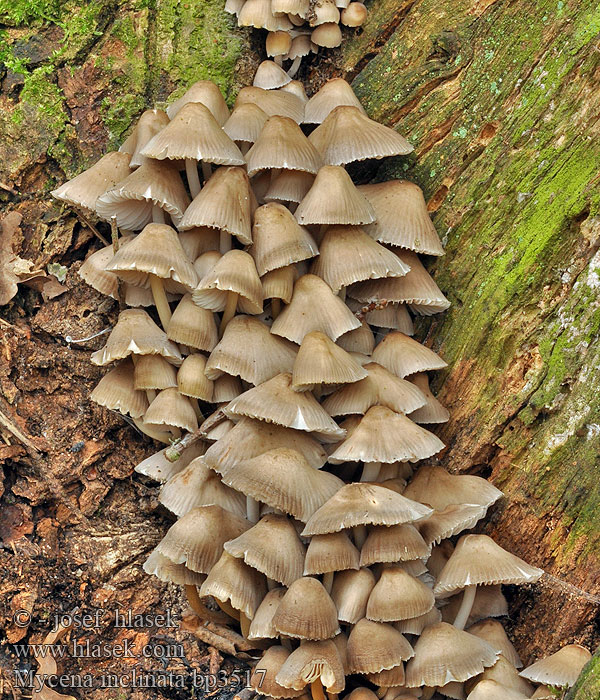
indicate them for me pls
(160, 300)
(229, 312)
(194, 401)
(293, 69)
(278, 60)
(191, 170)
(151, 432)
(328, 581)
(316, 690)
(286, 642)
(428, 692)
(370, 471)
(360, 535)
(227, 608)
(252, 509)
(275, 308)
(342, 294)
(224, 241)
(274, 173)
(158, 214)
(206, 171)
(271, 584)
(465, 607)
(244, 625)
(203, 612)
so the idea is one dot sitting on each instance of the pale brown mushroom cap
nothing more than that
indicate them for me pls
(489, 601)
(164, 569)
(206, 93)
(350, 593)
(289, 186)
(402, 355)
(354, 15)
(277, 44)
(505, 674)
(398, 596)
(136, 333)
(394, 543)
(117, 392)
(361, 694)
(416, 625)
(393, 315)
(193, 326)
(358, 340)
(84, 189)
(375, 647)
(172, 409)
(292, 7)
(262, 626)
(272, 102)
(491, 690)
(478, 560)
(226, 388)
(313, 661)
(225, 202)
(306, 611)
(263, 676)
(363, 504)
(559, 669)
(273, 547)
(494, 633)
(258, 14)
(279, 284)
(332, 94)
(334, 199)
(154, 372)
(93, 271)
(151, 121)
(191, 379)
(324, 11)
(245, 123)
(333, 552)
(390, 678)
(328, 35)
(269, 75)
(450, 521)
(433, 411)
(295, 87)
(158, 467)
(199, 240)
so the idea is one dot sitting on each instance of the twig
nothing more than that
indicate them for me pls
(84, 220)
(8, 188)
(20, 435)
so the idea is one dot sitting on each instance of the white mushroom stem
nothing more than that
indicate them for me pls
(158, 214)
(244, 625)
(224, 241)
(151, 432)
(252, 509)
(196, 407)
(293, 69)
(465, 607)
(206, 171)
(160, 300)
(328, 581)
(229, 312)
(278, 60)
(342, 294)
(286, 642)
(360, 535)
(191, 170)
(370, 471)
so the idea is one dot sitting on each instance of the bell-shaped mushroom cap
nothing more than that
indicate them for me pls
(148, 125)
(392, 315)
(314, 307)
(245, 123)
(348, 255)
(277, 44)
(250, 438)
(439, 489)
(290, 186)
(361, 694)
(332, 94)
(504, 673)
(478, 560)
(493, 632)
(359, 340)
(273, 547)
(248, 349)
(272, 102)
(279, 284)
(363, 504)
(232, 580)
(270, 76)
(375, 647)
(156, 251)
(559, 669)
(234, 272)
(136, 333)
(132, 199)
(171, 408)
(334, 552)
(199, 240)
(324, 11)
(204, 92)
(194, 133)
(197, 485)
(158, 467)
(334, 199)
(402, 217)
(391, 544)
(350, 593)
(402, 355)
(197, 538)
(313, 661)
(84, 189)
(284, 480)
(492, 690)
(489, 602)
(416, 625)
(379, 388)
(398, 596)
(164, 569)
(263, 680)
(282, 144)
(154, 372)
(327, 34)
(354, 15)
(93, 271)
(450, 521)
(306, 611)
(275, 401)
(278, 239)
(347, 134)
(262, 626)
(293, 7)
(258, 14)
(321, 361)
(193, 326)
(225, 202)
(385, 436)
(432, 411)
(391, 678)
(116, 391)
(226, 388)
(444, 654)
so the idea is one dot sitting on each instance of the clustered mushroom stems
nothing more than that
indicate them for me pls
(337, 569)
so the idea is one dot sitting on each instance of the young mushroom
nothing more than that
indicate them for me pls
(314, 663)
(270, 75)
(560, 669)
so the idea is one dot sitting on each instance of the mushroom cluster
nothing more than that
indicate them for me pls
(270, 318)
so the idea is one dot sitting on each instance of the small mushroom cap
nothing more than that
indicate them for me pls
(348, 135)
(284, 480)
(158, 467)
(321, 361)
(250, 438)
(389, 678)
(402, 355)
(361, 694)
(148, 125)
(491, 690)
(477, 560)
(292, 7)
(172, 409)
(132, 199)
(116, 391)
(375, 647)
(269, 75)
(416, 625)
(559, 669)
(306, 611)
(363, 504)
(164, 569)
(334, 199)
(332, 94)
(263, 676)
(493, 632)
(277, 44)
(206, 93)
(350, 593)
(245, 123)
(136, 333)
(328, 35)
(444, 654)
(275, 401)
(393, 315)
(310, 662)
(295, 87)
(391, 544)
(504, 673)
(314, 307)
(258, 14)
(385, 436)
(289, 186)
(273, 547)
(272, 102)
(225, 389)
(489, 602)
(154, 372)
(191, 379)
(279, 284)
(234, 272)
(354, 15)
(93, 271)
(85, 188)
(282, 144)
(398, 596)
(359, 340)
(197, 538)
(450, 521)
(324, 11)
(199, 240)
(262, 626)
(433, 411)
(334, 552)
(232, 580)
(193, 326)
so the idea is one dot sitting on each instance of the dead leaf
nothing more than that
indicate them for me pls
(13, 269)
